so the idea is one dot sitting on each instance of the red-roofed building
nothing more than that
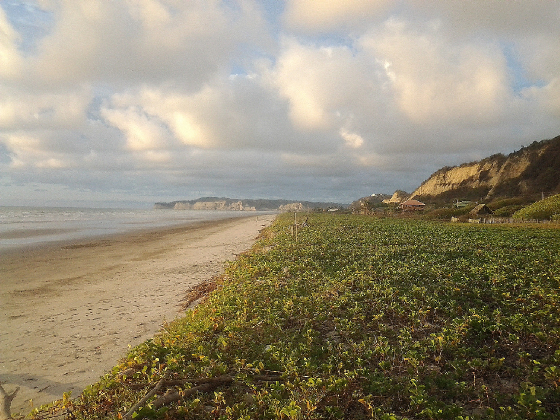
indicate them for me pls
(412, 205)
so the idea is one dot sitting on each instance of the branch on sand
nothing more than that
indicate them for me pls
(6, 402)
(201, 385)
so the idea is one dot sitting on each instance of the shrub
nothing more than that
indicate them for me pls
(507, 211)
(448, 213)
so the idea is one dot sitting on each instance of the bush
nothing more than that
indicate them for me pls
(448, 213)
(507, 211)
(508, 202)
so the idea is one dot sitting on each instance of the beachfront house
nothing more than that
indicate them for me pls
(412, 205)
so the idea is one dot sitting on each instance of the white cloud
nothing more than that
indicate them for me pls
(180, 113)
(127, 42)
(153, 14)
(435, 81)
(230, 113)
(320, 83)
(10, 59)
(22, 109)
(547, 97)
(327, 15)
(31, 151)
(353, 140)
(529, 29)
(142, 133)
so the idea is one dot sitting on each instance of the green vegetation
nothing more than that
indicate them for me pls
(510, 202)
(544, 209)
(446, 213)
(506, 207)
(361, 318)
(507, 211)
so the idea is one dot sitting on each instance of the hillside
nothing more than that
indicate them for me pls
(532, 170)
(234, 204)
(548, 208)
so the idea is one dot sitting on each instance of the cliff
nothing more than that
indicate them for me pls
(398, 197)
(532, 170)
(215, 203)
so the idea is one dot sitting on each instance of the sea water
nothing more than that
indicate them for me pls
(21, 227)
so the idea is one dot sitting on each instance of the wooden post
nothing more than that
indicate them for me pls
(295, 224)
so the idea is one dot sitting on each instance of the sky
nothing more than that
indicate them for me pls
(129, 102)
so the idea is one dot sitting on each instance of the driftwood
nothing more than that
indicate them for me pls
(174, 395)
(6, 402)
(140, 403)
(201, 385)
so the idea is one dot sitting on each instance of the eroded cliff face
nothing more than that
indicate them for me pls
(533, 169)
(213, 205)
(398, 197)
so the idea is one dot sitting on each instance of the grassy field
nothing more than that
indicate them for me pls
(361, 318)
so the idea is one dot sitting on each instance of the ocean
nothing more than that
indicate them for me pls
(21, 227)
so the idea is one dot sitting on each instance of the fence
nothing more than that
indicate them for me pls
(508, 220)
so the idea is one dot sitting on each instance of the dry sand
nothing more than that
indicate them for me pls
(69, 312)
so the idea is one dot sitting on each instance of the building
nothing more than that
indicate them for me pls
(412, 205)
(481, 210)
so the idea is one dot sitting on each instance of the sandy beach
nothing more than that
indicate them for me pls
(70, 311)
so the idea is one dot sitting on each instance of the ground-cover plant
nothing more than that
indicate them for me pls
(360, 318)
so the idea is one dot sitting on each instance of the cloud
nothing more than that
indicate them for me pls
(30, 110)
(326, 99)
(142, 133)
(435, 81)
(326, 15)
(9, 55)
(513, 20)
(148, 41)
(352, 140)
(529, 30)
(323, 85)
(32, 151)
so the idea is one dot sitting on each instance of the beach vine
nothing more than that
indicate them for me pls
(360, 318)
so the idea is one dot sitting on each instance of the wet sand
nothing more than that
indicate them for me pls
(70, 311)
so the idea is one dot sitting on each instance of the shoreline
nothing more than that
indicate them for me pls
(70, 310)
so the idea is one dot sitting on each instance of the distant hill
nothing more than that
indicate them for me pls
(370, 203)
(530, 171)
(234, 204)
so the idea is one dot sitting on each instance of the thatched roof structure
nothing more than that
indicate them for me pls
(481, 210)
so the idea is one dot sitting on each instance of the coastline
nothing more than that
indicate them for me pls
(69, 311)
